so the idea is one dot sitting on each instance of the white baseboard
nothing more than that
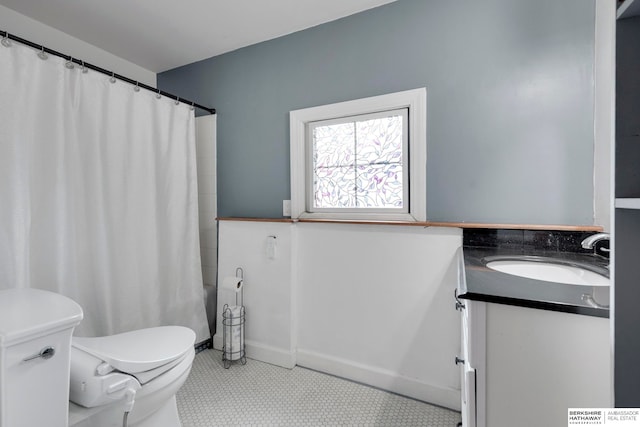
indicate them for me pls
(381, 378)
(263, 353)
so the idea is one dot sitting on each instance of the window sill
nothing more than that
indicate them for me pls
(554, 227)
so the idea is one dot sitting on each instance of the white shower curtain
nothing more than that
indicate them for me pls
(98, 196)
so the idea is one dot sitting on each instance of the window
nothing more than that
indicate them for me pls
(362, 159)
(356, 163)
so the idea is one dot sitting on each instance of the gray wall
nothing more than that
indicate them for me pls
(510, 103)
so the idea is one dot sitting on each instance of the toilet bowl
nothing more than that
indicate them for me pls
(146, 366)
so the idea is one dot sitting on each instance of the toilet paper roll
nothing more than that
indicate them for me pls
(233, 324)
(232, 283)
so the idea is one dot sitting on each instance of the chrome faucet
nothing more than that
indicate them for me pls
(591, 240)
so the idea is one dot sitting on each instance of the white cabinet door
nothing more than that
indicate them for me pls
(468, 382)
(472, 370)
(544, 362)
(472, 314)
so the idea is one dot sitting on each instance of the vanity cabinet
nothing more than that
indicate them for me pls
(526, 366)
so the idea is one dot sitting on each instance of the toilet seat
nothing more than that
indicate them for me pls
(104, 368)
(141, 350)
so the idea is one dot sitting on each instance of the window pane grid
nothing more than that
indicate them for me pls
(357, 163)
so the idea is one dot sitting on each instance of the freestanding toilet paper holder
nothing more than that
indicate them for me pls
(233, 318)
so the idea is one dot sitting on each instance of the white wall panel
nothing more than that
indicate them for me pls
(375, 304)
(369, 303)
(206, 164)
(267, 287)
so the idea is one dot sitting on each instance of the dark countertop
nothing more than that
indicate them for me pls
(480, 283)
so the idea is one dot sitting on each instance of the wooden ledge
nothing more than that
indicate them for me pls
(551, 227)
(255, 219)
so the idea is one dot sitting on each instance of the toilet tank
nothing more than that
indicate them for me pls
(35, 341)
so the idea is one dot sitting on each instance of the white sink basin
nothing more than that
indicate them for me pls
(549, 272)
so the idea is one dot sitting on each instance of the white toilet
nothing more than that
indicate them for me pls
(144, 368)
(35, 337)
(48, 377)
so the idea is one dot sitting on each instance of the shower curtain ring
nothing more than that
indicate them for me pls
(42, 54)
(112, 79)
(69, 64)
(177, 100)
(158, 95)
(6, 42)
(193, 107)
(85, 70)
(136, 88)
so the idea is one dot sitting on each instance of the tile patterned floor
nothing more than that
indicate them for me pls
(259, 394)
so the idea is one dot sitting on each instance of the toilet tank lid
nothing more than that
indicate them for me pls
(29, 313)
(139, 350)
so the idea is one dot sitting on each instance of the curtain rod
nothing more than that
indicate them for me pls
(6, 35)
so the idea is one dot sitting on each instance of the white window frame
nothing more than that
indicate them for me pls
(415, 101)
